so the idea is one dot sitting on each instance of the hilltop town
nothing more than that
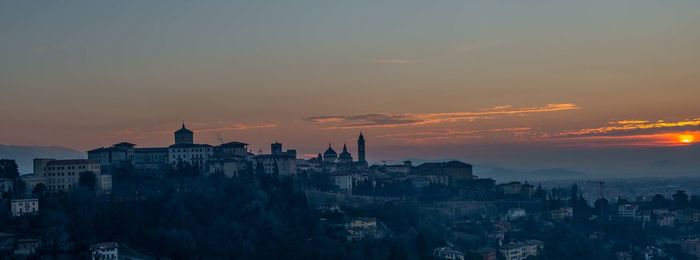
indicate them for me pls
(224, 201)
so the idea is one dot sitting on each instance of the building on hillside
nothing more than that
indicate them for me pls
(64, 175)
(22, 207)
(448, 253)
(627, 210)
(454, 170)
(26, 247)
(515, 213)
(404, 168)
(345, 156)
(522, 250)
(278, 163)
(691, 246)
(666, 220)
(360, 228)
(104, 251)
(7, 241)
(343, 181)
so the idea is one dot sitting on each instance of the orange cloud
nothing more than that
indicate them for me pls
(630, 125)
(450, 136)
(386, 120)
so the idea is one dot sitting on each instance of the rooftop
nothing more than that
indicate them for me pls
(71, 162)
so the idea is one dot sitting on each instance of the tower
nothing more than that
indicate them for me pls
(184, 136)
(361, 149)
(276, 148)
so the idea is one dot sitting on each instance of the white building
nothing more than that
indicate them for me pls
(64, 175)
(522, 250)
(21, 207)
(194, 154)
(515, 213)
(104, 251)
(448, 253)
(627, 210)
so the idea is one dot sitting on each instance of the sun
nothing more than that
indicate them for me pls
(686, 138)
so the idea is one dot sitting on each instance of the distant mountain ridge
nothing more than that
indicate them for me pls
(24, 155)
(504, 175)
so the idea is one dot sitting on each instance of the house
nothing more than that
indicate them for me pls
(26, 247)
(627, 210)
(21, 207)
(666, 220)
(515, 213)
(691, 246)
(562, 213)
(104, 251)
(448, 253)
(7, 241)
(522, 250)
(360, 228)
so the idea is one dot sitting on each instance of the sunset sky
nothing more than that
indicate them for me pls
(592, 85)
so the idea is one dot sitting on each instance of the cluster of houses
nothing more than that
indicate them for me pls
(659, 217)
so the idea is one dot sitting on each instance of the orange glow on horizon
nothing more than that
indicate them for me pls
(686, 138)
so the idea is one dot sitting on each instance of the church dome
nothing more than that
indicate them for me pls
(330, 152)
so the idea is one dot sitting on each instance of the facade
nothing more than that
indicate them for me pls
(26, 247)
(522, 250)
(281, 163)
(404, 168)
(448, 253)
(21, 207)
(455, 170)
(666, 220)
(121, 152)
(360, 228)
(194, 154)
(627, 210)
(515, 213)
(104, 251)
(64, 175)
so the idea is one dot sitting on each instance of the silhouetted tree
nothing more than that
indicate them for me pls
(9, 169)
(88, 180)
(680, 200)
(659, 202)
(39, 189)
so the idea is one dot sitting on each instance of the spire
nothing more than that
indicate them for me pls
(345, 148)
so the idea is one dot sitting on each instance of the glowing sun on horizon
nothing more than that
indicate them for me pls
(686, 138)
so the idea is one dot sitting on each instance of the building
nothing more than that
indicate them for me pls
(121, 152)
(627, 210)
(196, 155)
(522, 250)
(345, 156)
(515, 213)
(448, 253)
(26, 247)
(455, 170)
(666, 220)
(7, 241)
(21, 207)
(64, 175)
(330, 155)
(104, 251)
(279, 163)
(691, 246)
(360, 228)
(562, 213)
(404, 168)
(184, 135)
(361, 149)
(343, 181)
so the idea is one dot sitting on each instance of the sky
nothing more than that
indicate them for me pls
(599, 86)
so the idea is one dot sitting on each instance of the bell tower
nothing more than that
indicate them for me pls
(361, 149)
